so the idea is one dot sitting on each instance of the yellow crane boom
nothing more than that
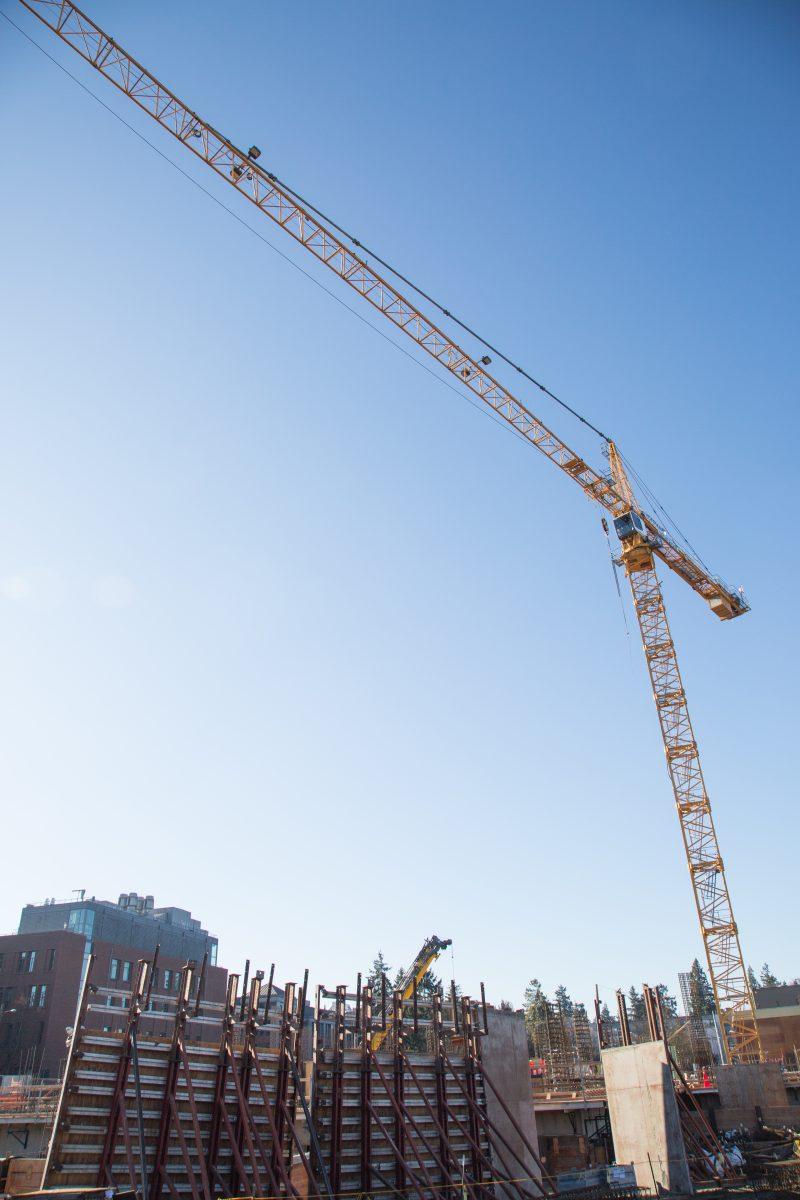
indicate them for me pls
(642, 539)
(431, 949)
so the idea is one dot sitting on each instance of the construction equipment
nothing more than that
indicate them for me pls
(411, 980)
(642, 538)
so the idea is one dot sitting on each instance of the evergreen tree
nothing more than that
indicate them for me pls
(768, 979)
(668, 1003)
(636, 1009)
(429, 984)
(535, 1010)
(535, 999)
(506, 1006)
(564, 1000)
(610, 1026)
(379, 968)
(752, 979)
(701, 994)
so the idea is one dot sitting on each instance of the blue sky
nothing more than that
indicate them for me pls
(291, 634)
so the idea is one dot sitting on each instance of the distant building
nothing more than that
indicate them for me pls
(133, 921)
(778, 1013)
(42, 966)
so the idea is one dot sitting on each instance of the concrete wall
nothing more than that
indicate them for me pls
(747, 1090)
(506, 1063)
(644, 1116)
(25, 1139)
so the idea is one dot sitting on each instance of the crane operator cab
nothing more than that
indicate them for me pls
(638, 542)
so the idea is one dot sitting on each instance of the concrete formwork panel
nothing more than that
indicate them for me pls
(644, 1116)
(748, 1091)
(505, 1056)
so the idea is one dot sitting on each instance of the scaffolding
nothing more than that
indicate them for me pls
(700, 1050)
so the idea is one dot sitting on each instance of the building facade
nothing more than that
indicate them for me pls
(778, 1012)
(43, 964)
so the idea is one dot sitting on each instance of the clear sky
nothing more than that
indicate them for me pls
(295, 637)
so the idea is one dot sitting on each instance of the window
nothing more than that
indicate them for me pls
(126, 972)
(51, 958)
(212, 958)
(113, 969)
(33, 996)
(26, 961)
(6, 998)
(81, 920)
(2, 961)
(167, 980)
(42, 994)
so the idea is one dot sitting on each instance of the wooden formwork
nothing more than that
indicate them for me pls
(216, 1105)
(411, 1121)
(342, 1125)
(186, 1115)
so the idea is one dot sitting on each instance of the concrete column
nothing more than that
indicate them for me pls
(644, 1116)
(505, 1057)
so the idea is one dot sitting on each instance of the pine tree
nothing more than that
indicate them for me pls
(429, 984)
(669, 1004)
(535, 1010)
(752, 979)
(379, 968)
(535, 999)
(609, 1024)
(636, 1009)
(701, 994)
(564, 1001)
(768, 979)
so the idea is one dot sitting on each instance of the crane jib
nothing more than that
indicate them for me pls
(261, 188)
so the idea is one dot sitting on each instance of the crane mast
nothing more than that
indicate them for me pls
(732, 992)
(641, 538)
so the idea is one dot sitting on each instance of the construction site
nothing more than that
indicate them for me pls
(133, 1064)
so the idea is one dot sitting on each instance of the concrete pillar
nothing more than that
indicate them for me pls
(505, 1057)
(644, 1116)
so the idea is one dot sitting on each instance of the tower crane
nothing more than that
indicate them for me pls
(642, 541)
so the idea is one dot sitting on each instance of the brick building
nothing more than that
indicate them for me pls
(42, 965)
